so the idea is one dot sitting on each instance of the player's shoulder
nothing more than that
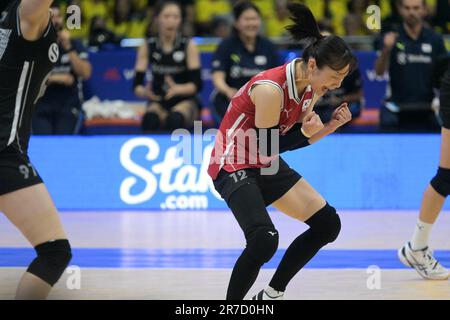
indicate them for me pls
(277, 74)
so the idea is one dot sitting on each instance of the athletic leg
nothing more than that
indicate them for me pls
(304, 203)
(32, 211)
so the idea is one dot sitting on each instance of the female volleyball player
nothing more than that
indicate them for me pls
(416, 253)
(276, 104)
(28, 51)
(175, 65)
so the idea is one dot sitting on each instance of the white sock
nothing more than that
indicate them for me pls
(421, 235)
(271, 292)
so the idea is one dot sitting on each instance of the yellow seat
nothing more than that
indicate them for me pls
(277, 28)
(208, 9)
(266, 7)
(339, 10)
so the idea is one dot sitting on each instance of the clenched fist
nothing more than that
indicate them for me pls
(389, 40)
(311, 124)
(340, 116)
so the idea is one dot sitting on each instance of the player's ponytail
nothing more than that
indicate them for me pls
(331, 51)
(305, 25)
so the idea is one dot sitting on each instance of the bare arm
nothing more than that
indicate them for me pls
(66, 79)
(142, 58)
(81, 67)
(221, 85)
(326, 130)
(193, 56)
(340, 116)
(267, 100)
(34, 17)
(382, 62)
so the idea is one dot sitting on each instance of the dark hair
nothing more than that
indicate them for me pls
(116, 18)
(241, 6)
(4, 4)
(55, 5)
(162, 4)
(331, 51)
(351, 5)
(400, 2)
(159, 7)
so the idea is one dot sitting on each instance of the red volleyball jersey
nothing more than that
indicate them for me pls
(235, 146)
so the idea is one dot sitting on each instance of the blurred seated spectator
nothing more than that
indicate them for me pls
(188, 28)
(350, 91)
(206, 11)
(221, 27)
(276, 23)
(99, 34)
(408, 55)
(333, 11)
(126, 22)
(241, 56)
(174, 61)
(354, 21)
(94, 8)
(59, 110)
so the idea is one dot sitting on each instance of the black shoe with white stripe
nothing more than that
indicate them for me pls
(263, 295)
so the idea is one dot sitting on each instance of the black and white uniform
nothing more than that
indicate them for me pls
(174, 64)
(24, 68)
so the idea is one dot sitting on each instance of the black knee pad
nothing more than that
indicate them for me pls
(441, 182)
(262, 244)
(326, 224)
(150, 122)
(53, 257)
(175, 120)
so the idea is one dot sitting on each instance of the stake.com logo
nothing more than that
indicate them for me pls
(171, 176)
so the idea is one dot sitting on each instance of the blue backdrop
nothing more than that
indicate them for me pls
(147, 172)
(113, 75)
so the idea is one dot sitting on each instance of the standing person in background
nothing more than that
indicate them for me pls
(126, 22)
(408, 55)
(59, 110)
(241, 56)
(354, 23)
